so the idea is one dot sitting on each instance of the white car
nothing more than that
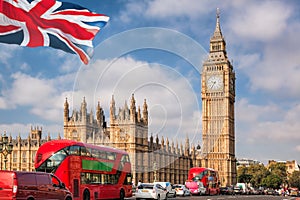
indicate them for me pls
(150, 191)
(181, 190)
(168, 186)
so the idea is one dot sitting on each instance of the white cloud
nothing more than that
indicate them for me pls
(269, 122)
(42, 96)
(8, 51)
(260, 20)
(183, 8)
(27, 90)
(170, 98)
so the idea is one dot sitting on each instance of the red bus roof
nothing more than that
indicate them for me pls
(197, 170)
(48, 148)
(200, 169)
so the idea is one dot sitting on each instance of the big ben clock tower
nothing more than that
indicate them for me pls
(218, 97)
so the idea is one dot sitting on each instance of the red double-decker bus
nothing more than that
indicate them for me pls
(88, 171)
(203, 177)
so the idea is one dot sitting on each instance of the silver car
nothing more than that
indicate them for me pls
(150, 191)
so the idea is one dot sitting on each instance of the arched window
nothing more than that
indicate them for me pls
(24, 157)
(15, 156)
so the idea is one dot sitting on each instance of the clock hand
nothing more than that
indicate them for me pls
(213, 85)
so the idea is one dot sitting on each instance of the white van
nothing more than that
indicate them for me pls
(168, 186)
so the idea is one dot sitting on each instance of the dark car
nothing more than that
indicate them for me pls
(271, 192)
(226, 190)
(32, 185)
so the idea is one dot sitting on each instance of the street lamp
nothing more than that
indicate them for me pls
(5, 148)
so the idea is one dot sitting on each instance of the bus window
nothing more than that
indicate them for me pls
(74, 150)
(111, 156)
(85, 178)
(125, 158)
(102, 154)
(128, 179)
(95, 153)
(84, 151)
(95, 178)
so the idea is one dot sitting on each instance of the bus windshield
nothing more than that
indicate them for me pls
(51, 164)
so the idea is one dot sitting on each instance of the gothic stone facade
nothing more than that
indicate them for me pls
(24, 150)
(151, 158)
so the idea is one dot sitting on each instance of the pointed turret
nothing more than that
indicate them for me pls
(139, 114)
(83, 110)
(98, 112)
(66, 111)
(145, 112)
(112, 109)
(187, 146)
(132, 109)
(218, 33)
(217, 42)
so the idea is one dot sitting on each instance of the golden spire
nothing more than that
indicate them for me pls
(218, 32)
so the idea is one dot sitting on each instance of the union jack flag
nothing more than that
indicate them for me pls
(60, 25)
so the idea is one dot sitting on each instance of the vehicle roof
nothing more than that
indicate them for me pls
(21, 172)
(60, 144)
(147, 184)
(193, 169)
(50, 147)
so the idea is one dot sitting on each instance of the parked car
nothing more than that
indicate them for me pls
(202, 189)
(196, 188)
(181, 190)
(294, 192)
(238, 190)
(226, 190)
(271, 192)
(32, 185)
(168, 186)
(150, 191)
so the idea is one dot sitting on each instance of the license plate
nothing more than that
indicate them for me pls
(144, 190)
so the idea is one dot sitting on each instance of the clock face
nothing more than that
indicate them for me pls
(214, 82)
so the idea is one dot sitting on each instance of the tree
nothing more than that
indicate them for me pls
(258, 172)
(272, 181)
(294, 179)
(252, 174)
(244, 178)
(242, 175)
(279, 169)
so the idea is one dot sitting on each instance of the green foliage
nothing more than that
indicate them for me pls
(294, 179)
(252, 174)
(259, 175)
(244, 178)
(280, 170)
(272, 181)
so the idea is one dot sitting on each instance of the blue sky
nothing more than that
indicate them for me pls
(155, 50)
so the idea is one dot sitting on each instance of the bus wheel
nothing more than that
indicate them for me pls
(86, 195)
(122, 195)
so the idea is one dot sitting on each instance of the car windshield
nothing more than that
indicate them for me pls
(146, 186)
(178, 186)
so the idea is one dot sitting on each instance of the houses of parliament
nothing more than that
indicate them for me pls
(154, 157)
